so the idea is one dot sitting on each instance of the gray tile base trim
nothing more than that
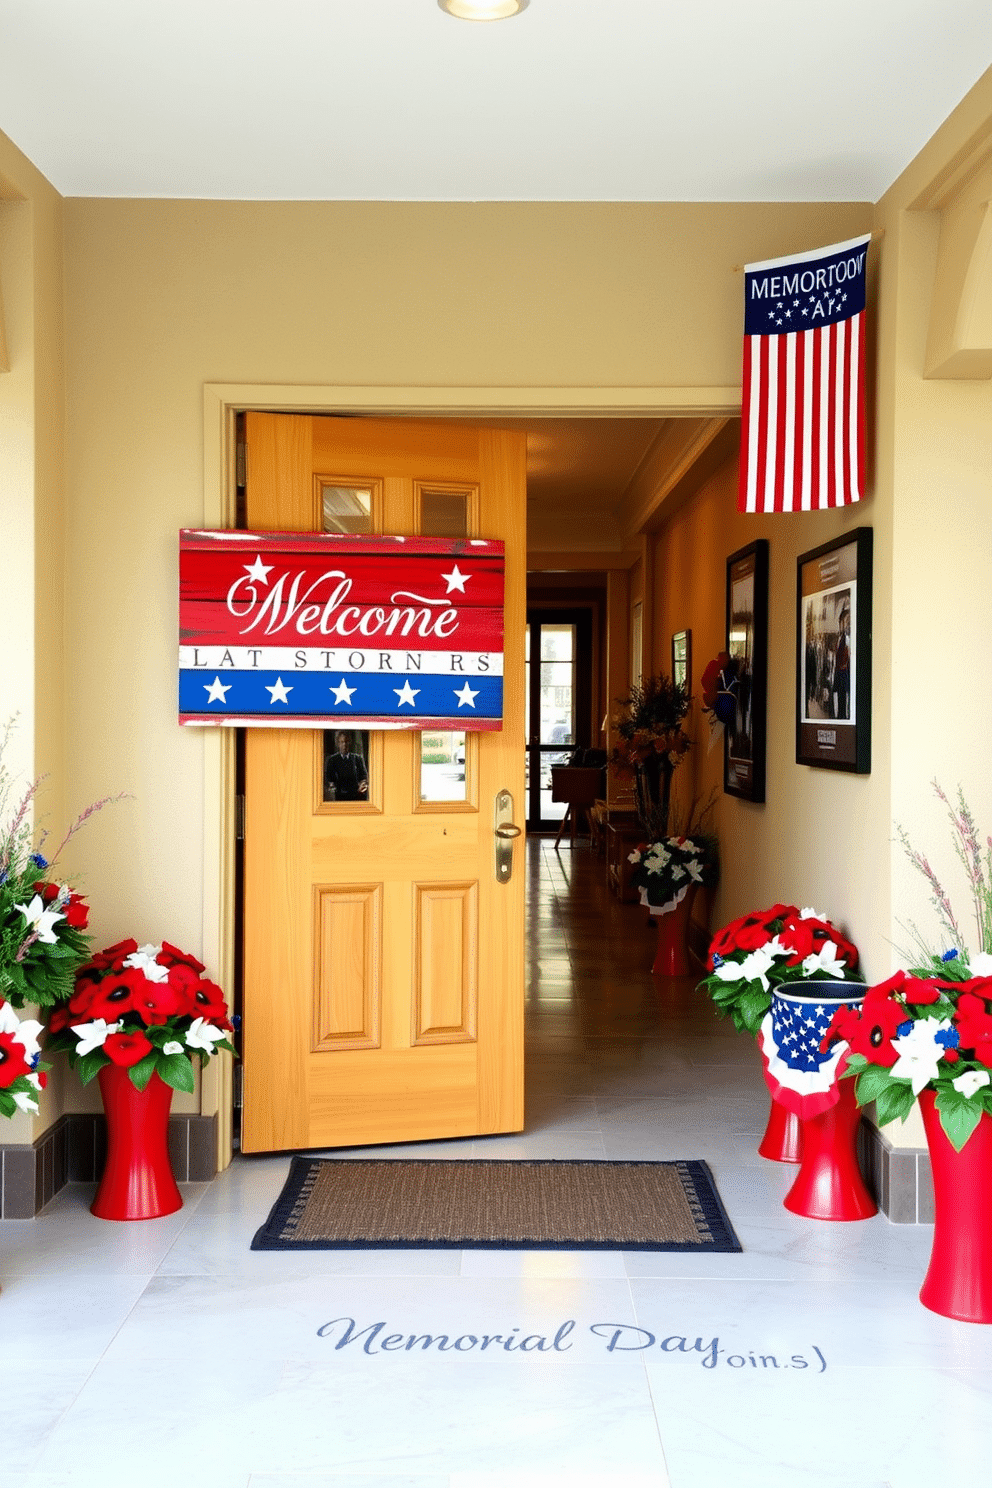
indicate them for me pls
(901, 1181)
(74, 1149)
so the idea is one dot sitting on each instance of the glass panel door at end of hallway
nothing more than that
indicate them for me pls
(558, 703)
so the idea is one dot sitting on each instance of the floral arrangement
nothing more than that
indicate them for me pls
(650, 744)
(771, 948)
(22, 1075)
(41, 921)
(921, 1033)
(145, 1008)
(665, 870)
(931, 1028)
(719, 685)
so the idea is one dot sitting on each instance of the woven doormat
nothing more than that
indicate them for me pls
(360, 1204)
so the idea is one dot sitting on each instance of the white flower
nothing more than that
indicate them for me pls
(143, 959)
(824, 960)
(172, 1047)
(9, 1021)
(92, 1035)
(40, 920)
(695, 870)
(27, 1036)
(25, 1101)
(980, 965)
(635, 856)
(919, 1052)
(677, 871)
(812, 914)
(203, 1035)
(755, 966)
(656, 859)
(971, 1081)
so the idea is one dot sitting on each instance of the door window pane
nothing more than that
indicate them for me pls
(443, 514)
(557, 684)
(442, 767)
(346, 508)
(346, 765)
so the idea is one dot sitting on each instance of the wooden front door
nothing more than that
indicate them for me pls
(383, 958)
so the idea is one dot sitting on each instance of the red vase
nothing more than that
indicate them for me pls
(783, 1139)
(671, 959)
(137, 1181)
(959, 1278)
(829, 1184)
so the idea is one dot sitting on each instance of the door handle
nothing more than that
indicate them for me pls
(505, 830)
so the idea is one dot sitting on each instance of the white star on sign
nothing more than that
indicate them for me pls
(258, 571)
(466, 697)
(216, 691)
(406, 693)
(342, 693)
(455, 579)
(280, 692)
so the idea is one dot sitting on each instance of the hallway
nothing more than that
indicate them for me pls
(168, 1353)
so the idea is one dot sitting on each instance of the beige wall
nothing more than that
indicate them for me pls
(821, 837)
(32, 510)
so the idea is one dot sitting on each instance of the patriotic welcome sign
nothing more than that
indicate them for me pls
(802, 415)
(302, 630)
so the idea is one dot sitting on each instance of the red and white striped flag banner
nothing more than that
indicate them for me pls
(803, 409)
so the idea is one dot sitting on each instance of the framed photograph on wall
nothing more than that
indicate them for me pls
(747, 646)
(682, 659)
(833, 654)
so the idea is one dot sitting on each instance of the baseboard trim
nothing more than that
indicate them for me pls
(74, 1151)
(901, 1182)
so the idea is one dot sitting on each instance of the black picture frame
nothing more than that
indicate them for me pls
(744, 734)
(833, 689)
(682, 659)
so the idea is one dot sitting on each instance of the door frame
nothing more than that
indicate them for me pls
(222, 402)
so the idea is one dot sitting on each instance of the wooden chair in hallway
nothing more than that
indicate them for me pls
(578, 786)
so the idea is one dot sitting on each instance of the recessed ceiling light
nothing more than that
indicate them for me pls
(483, 10)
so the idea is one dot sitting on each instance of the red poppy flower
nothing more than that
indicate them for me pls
(77, 912)
(974, 1026)
(208, 1001)
(113, 957)
(13, 1062)
(881, 1016)
(171, 955)
(843, 1025)
(156, 1002)
(126, 1049)
(87, 991)
(60, 1018)
(806, 937)
(115, 995)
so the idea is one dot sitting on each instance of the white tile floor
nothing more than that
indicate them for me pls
(169, 1353)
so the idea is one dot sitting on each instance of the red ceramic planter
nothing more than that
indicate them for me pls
(829, 1184)
(671, 957)
(138, 1181)
(959, 1279)
(783, 1139)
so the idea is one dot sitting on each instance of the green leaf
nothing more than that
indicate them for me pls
(142, 1072)
(177, 1070)
(894, 1102)
(90, 1063)
(874, 1078)
(958, 1116)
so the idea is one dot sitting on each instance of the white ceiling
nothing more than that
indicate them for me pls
(584, 100)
